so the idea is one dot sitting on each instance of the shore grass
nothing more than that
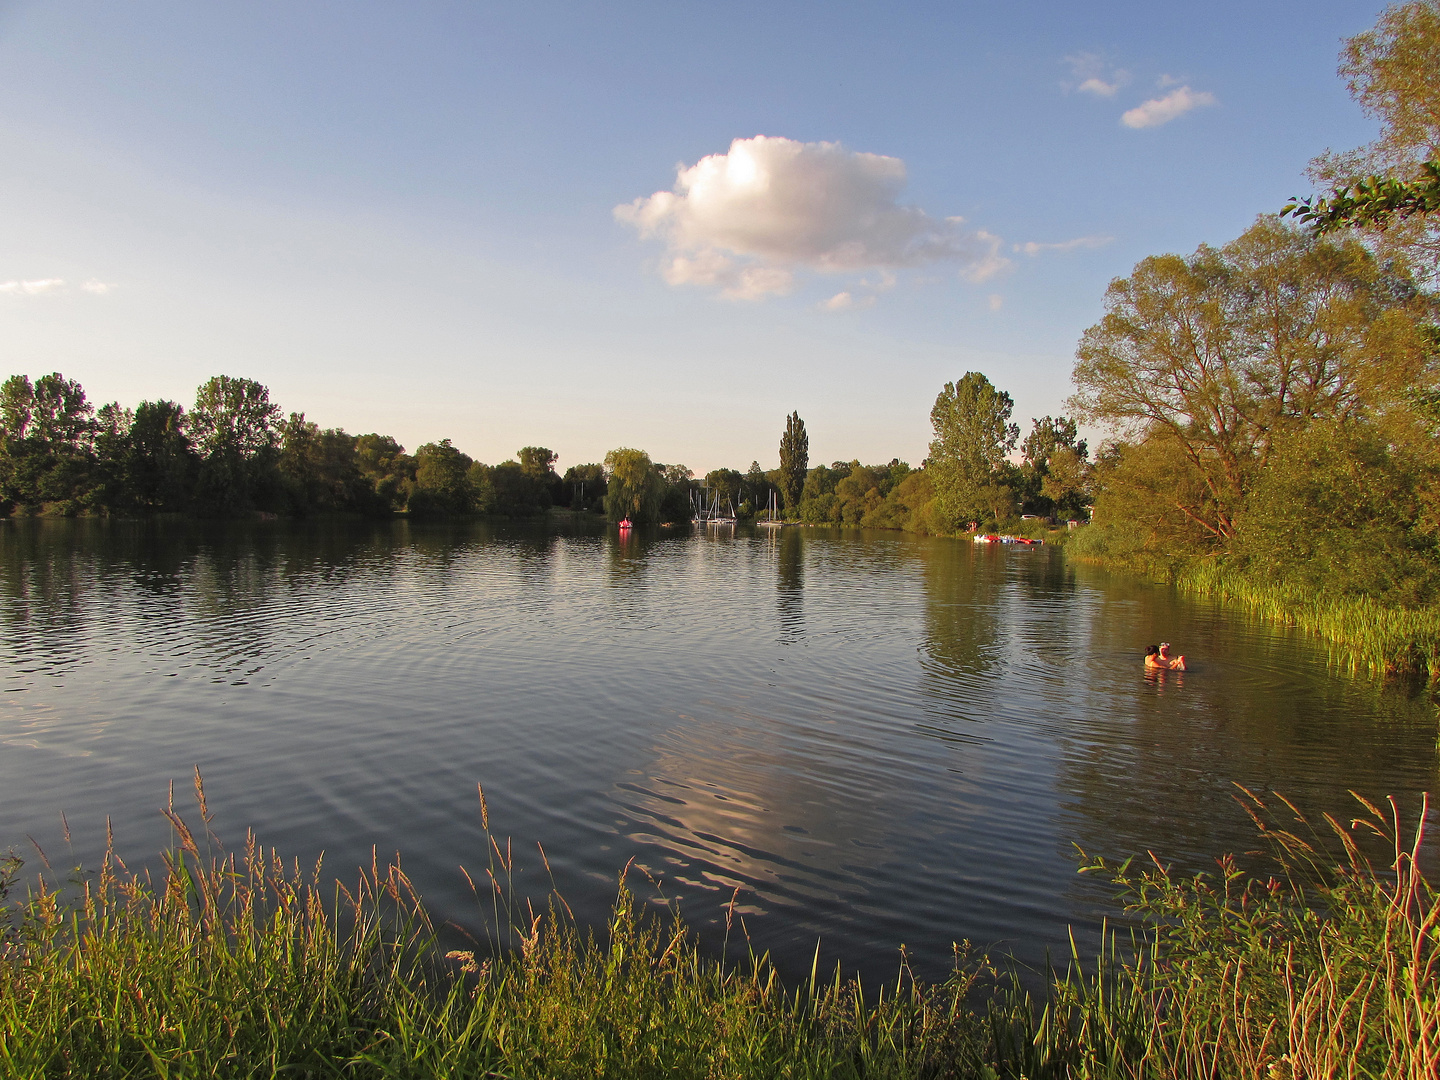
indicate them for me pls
(1318, 964)
(1364, 635)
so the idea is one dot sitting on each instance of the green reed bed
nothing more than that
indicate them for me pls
(1364, 634)
(238, 966)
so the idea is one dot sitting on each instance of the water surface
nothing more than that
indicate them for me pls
(878, 738)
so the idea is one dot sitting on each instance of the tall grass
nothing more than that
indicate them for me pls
(238, 966)
(1364, 634)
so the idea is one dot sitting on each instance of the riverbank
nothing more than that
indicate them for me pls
(240, 966)
(1363, 634)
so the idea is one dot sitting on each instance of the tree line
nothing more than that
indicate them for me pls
(235, 452)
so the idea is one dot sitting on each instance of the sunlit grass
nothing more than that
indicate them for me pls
(240, 966)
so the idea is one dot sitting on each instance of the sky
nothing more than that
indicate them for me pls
(665, 226)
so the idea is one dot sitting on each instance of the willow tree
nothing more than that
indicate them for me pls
(633, 487)
(973, 435)
(1202, 362)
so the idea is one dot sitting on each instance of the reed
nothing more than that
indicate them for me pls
(1363, 633)
(237, 966)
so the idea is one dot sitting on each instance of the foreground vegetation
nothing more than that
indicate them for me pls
(1317, 965)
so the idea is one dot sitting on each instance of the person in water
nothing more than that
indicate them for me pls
(1158, 656)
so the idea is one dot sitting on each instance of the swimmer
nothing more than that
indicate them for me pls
(1157, 657)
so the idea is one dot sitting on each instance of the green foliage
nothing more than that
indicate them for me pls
(160, 463)
(388, 472)
(1374, 202)
(1055, 475)
(442, 481)
(1393, 72)
(519, 492)
(538, 465)
(235, 428)
(633, 486)
(973, 434)
(47, 445)
(675, 495)
(794, 462)
(1343, 512)
(1222, 352)
(583, 487)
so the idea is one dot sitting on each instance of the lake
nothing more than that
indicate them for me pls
(879, 739)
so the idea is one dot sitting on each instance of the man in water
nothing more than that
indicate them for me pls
(1158, 656)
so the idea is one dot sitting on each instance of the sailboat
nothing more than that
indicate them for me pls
(771, 520)
(711, 513)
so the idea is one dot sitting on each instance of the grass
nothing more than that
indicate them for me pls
(238, 966)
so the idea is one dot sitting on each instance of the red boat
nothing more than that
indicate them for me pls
(626, 523)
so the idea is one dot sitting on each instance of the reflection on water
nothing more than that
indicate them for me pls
(878, 739)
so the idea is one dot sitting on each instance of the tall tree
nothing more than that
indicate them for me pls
(537, 463)
(633, 486)
(235, 427)
(1219, 353)
(442, 483)
(973, 435)
(161, 463)
(387, 470)
(1055, 463)
(47, 442)
(794, 461)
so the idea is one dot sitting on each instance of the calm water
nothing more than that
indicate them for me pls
(881, 739)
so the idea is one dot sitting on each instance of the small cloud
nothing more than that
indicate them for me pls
(1034, 247)
(32, 288)
(1167, 81)
(996, 301)
(1162, 110)
(746, 221)
(986, 262)
(1094, 75)
(847, 301)
(99, 288)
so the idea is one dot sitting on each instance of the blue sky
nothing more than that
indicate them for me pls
(402, 218)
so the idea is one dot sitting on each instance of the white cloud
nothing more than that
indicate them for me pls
(32, 288)
(1162, 110)
(996, 301)
(1095, 76)
(847, 301)
(745, 221)
(99, 288)
(1033, 247)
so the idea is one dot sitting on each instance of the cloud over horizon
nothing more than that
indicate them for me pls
(32, 288)
(41, 286)
(1162, 110)
(747, 220)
